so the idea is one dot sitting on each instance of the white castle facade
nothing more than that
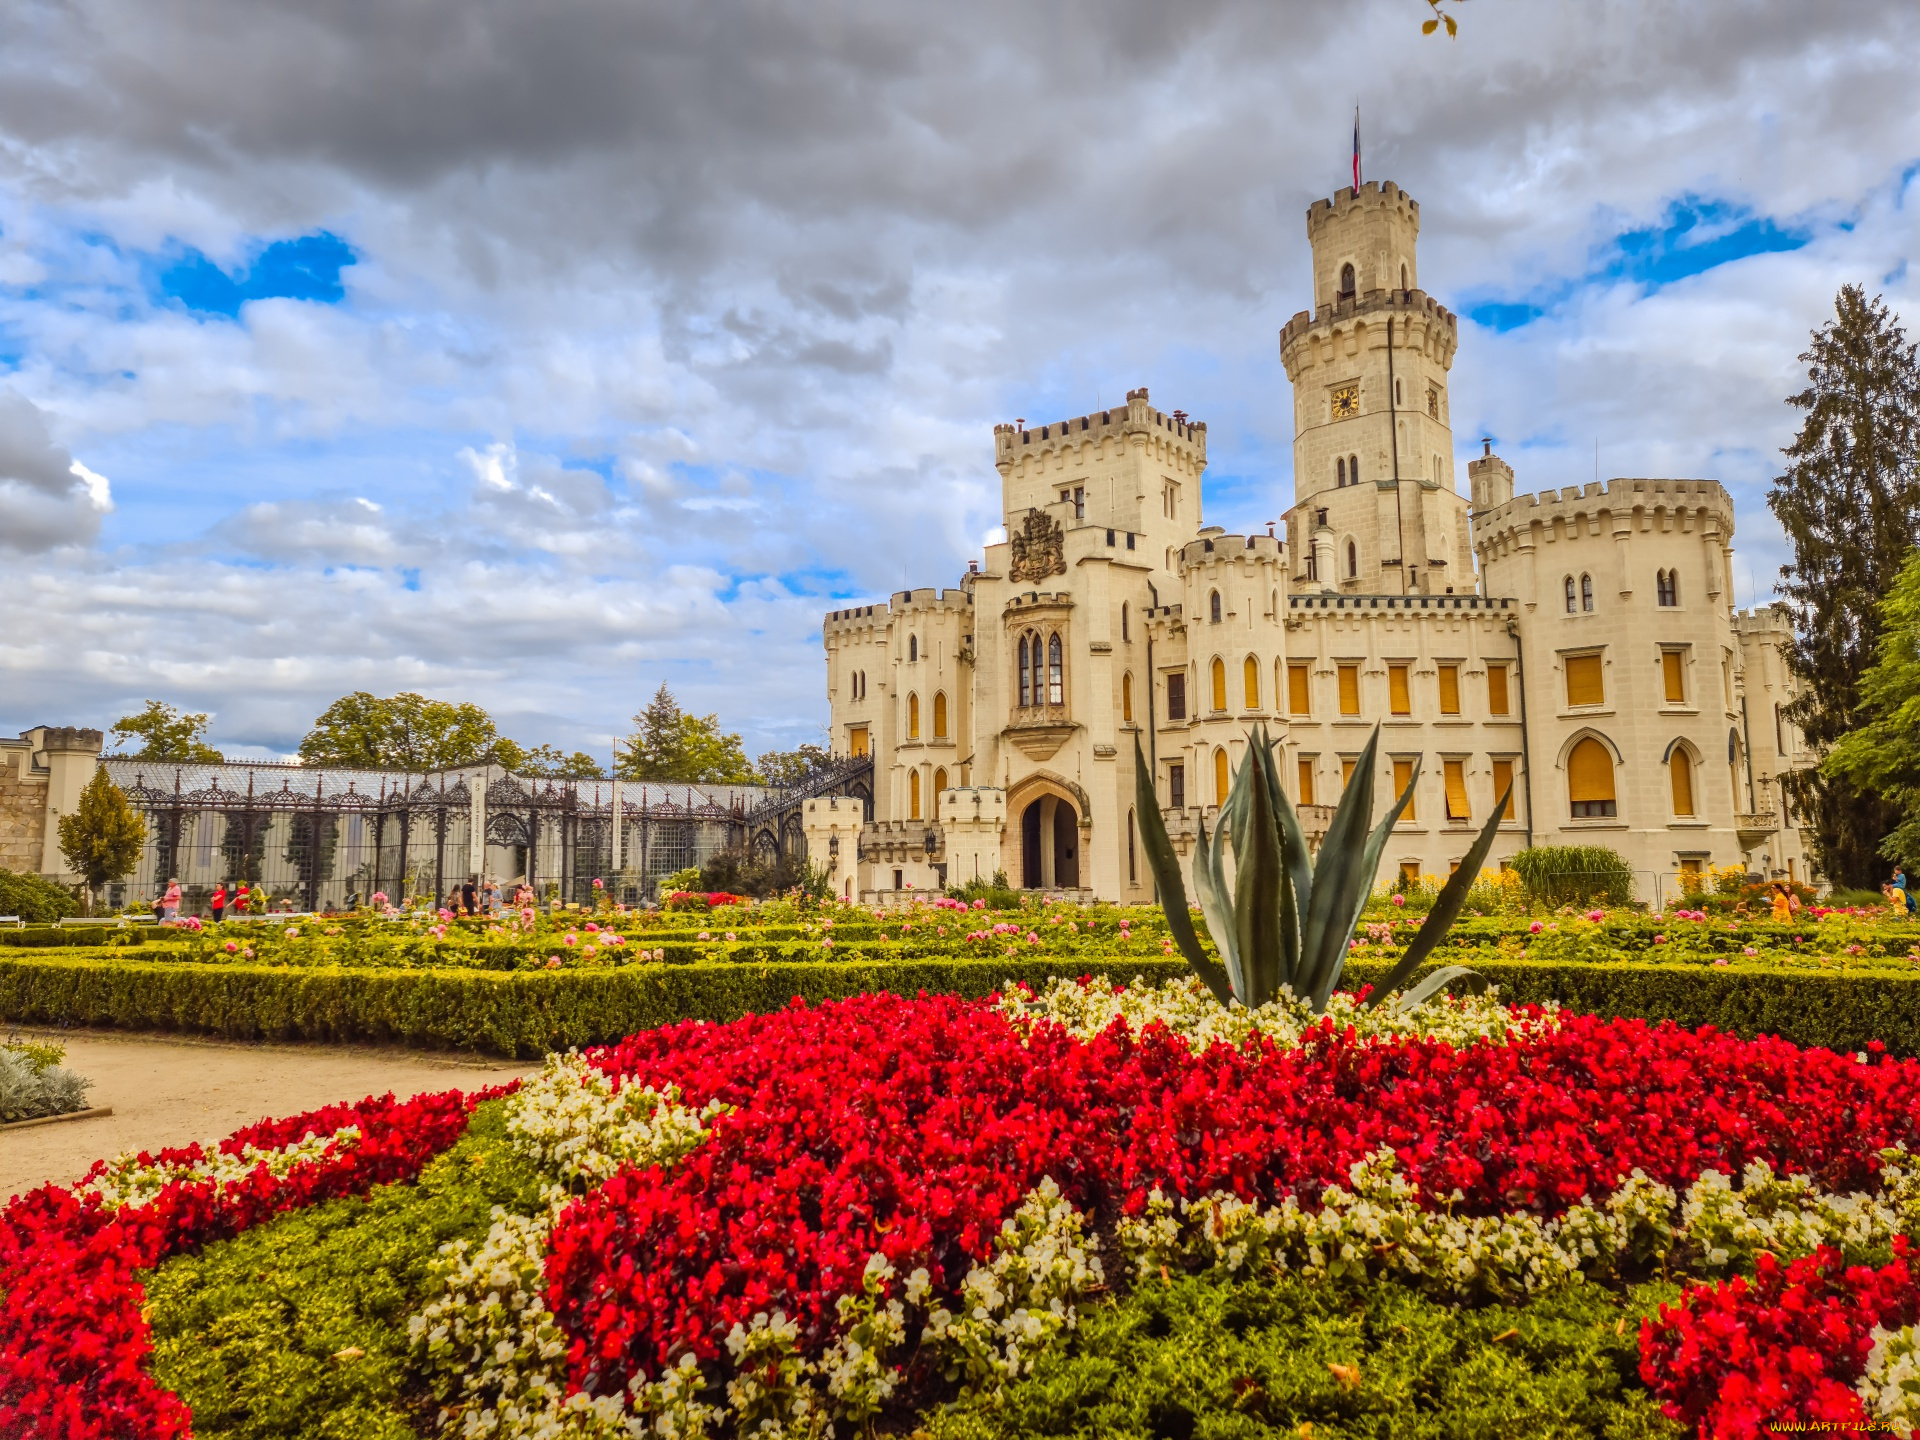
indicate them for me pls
(1580, 646)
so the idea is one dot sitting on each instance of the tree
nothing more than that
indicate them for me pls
(1850, 504)
(1882, 757)
(102, 837)
(167, 734)
(546, 762)
(785, 769)
(402, 732)
(669, 744)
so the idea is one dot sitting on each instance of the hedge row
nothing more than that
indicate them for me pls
(527, 1013)
(512, 1013)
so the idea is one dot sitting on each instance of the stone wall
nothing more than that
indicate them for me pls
(23, 809)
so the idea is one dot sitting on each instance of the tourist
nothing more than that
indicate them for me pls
(242, 899)
(217, 902)
(159, 907)
(170, 903)
(1782, 905)
(470, 895)
(1906, 893)
(490, 897)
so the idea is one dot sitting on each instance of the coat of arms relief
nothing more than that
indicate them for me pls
(1039, 548)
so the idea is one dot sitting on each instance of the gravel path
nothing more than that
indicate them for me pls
(165, 1090)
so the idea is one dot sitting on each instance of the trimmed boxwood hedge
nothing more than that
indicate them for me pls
(508, 1012)
(526, 1013)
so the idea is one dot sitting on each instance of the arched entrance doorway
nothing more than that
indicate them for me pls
(1050, 845)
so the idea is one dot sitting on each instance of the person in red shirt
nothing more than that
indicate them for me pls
(240, 899)
(217, 902)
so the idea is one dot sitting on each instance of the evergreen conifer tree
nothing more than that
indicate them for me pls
(102, 837)
(1850, 504)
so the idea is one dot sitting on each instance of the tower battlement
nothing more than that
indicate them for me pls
(1012, 443)
(1363, 241)
(1400, 303)
(1380, 195)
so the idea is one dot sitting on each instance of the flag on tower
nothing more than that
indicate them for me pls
(1356, 149)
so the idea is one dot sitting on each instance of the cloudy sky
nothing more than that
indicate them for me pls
(538, 354)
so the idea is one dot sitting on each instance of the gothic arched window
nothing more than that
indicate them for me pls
(1353, 561)
(1056, 678)
(1586, 592)
(1126, 636)
(940, 715)
(913, 647)
(1346, 281)
(1666, 586)
(1213, 607)
(913, 717)
(1126, 696)
(1026, 690)
(1570, 595)
(1340, 471)
(1353, 469)
(1039, 673)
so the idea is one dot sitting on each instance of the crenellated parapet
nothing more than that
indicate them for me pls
(1618, 508)
(1137, 422)
(1347, 323)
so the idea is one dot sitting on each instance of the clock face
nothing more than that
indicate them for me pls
(1346, 401)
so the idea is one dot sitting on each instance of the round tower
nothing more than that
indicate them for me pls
(1373, 443)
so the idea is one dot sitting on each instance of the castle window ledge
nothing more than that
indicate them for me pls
(1600, 822)
(1584, 712)
(1105, 752)
(1456, 722)
(1100, 647)
(1679, 709)
(1696, 823)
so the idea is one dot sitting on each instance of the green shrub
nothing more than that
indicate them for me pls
(77, 935)
(509, 1013)
(1198, 1356)
(1848, 898)
(34, 900)
(246, 1330)
(34, 1084)
(993, 889)
(1575, 875)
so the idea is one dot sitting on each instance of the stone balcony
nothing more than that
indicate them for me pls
(1752, 828)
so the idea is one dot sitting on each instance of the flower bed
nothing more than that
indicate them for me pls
(893, 1211)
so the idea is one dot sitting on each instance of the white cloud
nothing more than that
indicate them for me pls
(685, 334)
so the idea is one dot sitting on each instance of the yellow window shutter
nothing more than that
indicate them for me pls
(913, 794)
(1584, 684)
(1306, 782)
(1410, 873)
(858, 737)
(940, 715)
(1449, 689)
(1672, 669)
(1497, 690)
(1219, 684)
(1219, 777)
(1297, 693)
(1503, 785)
(1346, 773)
(1399, 701)
(1457, 790)
(1589, 772)
(1403, 777)
(1681, 767)
(1253, 683)
(1349, 689)
(913, 717)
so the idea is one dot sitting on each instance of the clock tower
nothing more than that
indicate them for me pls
(1375, 510)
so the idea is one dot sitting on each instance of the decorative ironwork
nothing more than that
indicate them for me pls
(318, 839)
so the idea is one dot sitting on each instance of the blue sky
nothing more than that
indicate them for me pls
(615, 349)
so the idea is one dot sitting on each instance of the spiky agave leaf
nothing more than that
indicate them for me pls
(1260, 884)
(1446, 909)
(1343, 878)
(1216, 904)
(1166, 874)
(1471, 981)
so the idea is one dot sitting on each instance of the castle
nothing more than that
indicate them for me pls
(1592, 662)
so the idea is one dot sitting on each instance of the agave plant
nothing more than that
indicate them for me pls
(1288, 919)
